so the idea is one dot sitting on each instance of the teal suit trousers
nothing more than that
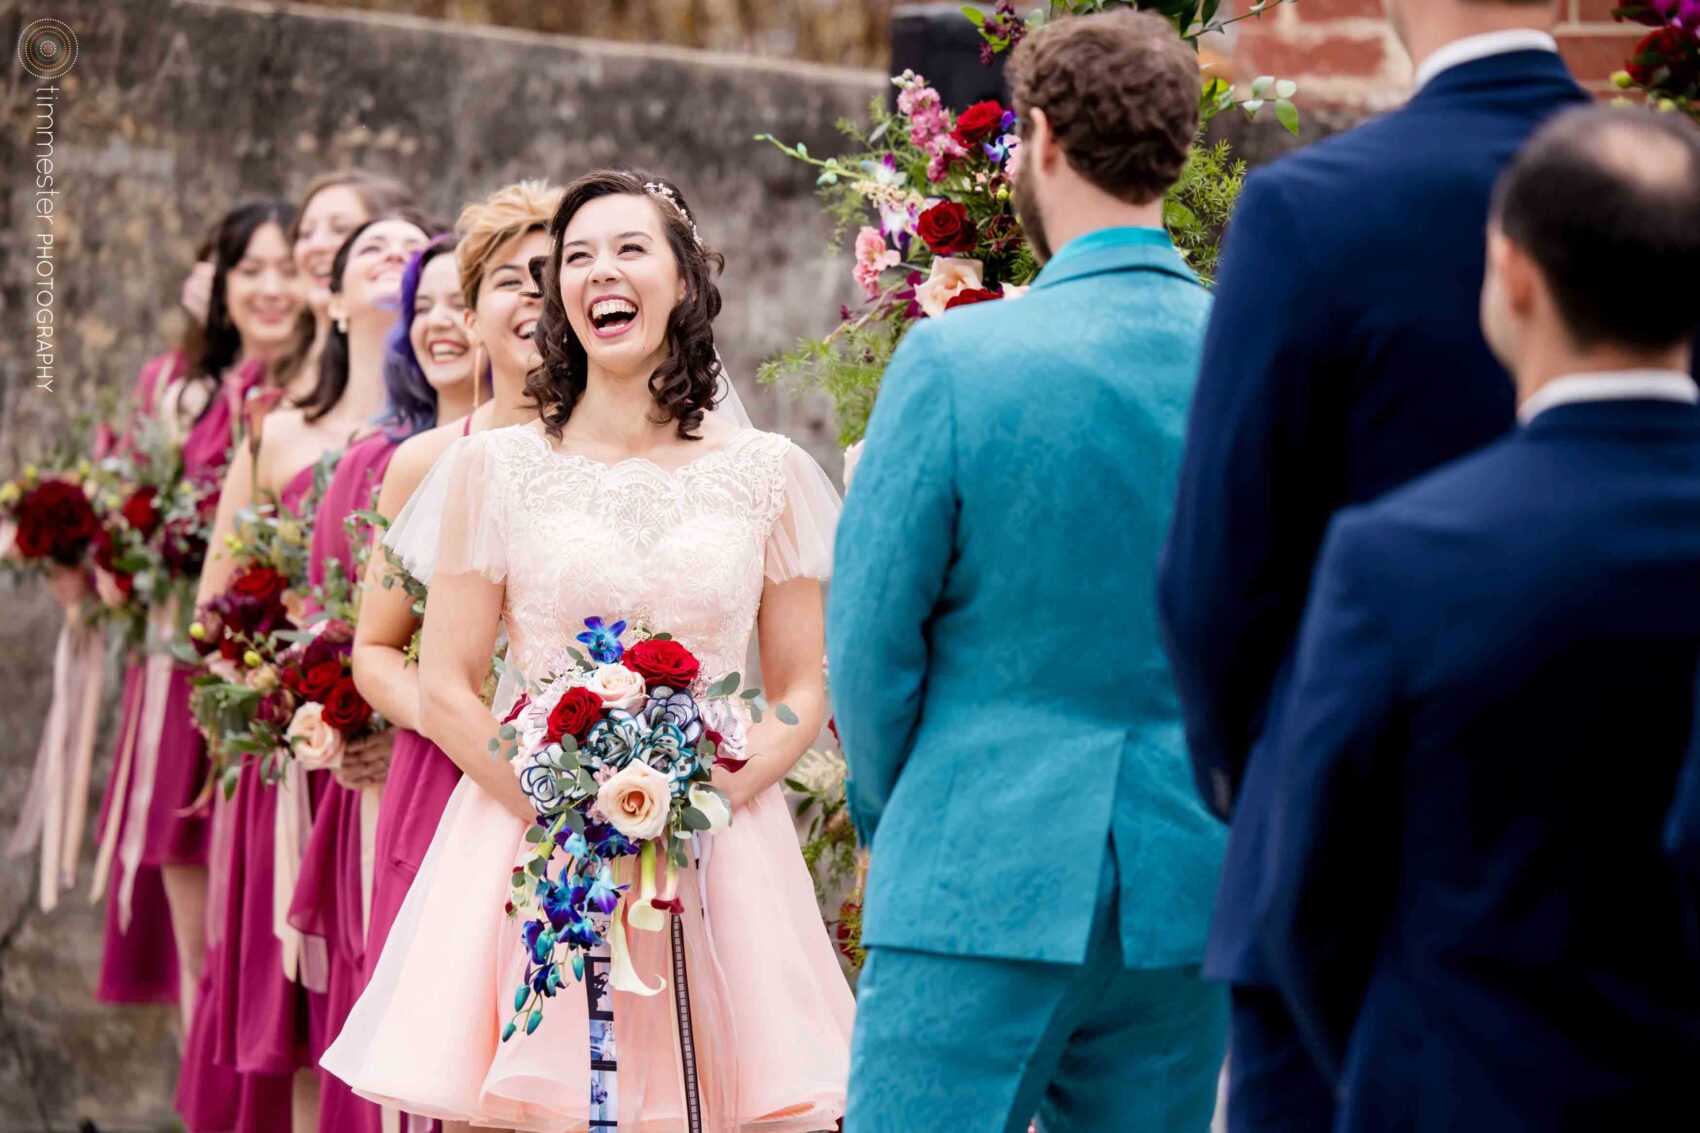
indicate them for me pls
(962, 1044)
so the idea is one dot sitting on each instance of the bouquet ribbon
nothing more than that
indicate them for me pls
(306, 958)
(56, 808)
(126, 832)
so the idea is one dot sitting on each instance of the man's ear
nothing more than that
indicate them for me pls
(1518, 273)
(1043, 140)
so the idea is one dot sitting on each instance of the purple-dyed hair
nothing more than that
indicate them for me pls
(411, 402)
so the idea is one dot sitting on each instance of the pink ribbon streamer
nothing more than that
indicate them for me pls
(56, 807)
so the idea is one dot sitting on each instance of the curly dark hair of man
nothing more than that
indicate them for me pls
(685, 384)
(1120, 90)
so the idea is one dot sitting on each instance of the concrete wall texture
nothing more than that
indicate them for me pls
(176, 110)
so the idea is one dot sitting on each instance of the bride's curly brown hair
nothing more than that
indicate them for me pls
(685, 383)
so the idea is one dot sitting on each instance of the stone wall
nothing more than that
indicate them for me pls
(173, 112)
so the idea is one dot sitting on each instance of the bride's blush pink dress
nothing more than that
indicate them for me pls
(687, 551)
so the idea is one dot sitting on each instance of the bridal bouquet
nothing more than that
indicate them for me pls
(616, 754)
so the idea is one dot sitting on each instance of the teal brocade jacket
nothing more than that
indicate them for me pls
(1002, 693)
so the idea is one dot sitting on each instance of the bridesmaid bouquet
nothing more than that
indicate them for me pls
(616, 755)
(46, 518)
(242, 641)
(153, 538)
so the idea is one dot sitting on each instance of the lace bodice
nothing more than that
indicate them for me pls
(684, 551)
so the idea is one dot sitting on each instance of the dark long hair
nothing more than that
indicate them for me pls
(332, 382)
(685, 383)
(218, 344)
(411, 401)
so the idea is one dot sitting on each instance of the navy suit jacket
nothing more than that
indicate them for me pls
(1344, 358)
(1466, 899)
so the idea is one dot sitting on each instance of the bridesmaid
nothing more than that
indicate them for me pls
(332, 895)
(333, 205)
(492, 307)
(251, 1017)
(153, 843)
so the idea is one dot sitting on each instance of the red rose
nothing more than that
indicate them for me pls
(947, 230)
(971, 295)
(577, 712)
(1666, 50)
(345, 709)
(663, 663)
(55, 521)
(978, 123)
(260, 583)
(316, 681)
(141, 511)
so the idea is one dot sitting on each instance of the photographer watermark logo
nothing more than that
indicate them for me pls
(47, 48)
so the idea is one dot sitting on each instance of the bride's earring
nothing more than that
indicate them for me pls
(342, 326)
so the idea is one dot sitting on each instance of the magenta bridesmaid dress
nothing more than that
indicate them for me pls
(328, 902)
(253, 1025)
(149, 815)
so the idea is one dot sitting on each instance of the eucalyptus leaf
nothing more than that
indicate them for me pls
(535, 834)
(695, 819)
(786, 716)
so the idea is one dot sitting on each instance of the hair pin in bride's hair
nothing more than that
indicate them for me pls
(665, 192)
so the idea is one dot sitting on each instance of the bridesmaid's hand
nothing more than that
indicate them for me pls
(366, 761)
(68, 585)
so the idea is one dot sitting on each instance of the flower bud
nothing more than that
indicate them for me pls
(1003, 192)
(251, 659)
(1622, 80)
(198, 631)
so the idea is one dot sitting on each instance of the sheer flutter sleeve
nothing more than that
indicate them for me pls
(801, 543)
(452, 522)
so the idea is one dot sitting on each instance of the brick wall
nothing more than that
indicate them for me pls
(1344, 55)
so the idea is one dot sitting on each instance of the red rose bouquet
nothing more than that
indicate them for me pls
(1665, 64)
(938, 228)
(46, 519)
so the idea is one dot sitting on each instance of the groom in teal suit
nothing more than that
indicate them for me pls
(1042, 872)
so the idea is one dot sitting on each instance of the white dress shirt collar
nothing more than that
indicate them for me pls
(1621, 385)
(1473, 47)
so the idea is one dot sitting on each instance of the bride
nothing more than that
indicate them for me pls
(630, 498)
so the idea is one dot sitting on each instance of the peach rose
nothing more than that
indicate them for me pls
(635, 800)
(618, 686)
(950, 277)
(315, 743)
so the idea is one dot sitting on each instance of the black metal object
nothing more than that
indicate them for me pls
(937, 41)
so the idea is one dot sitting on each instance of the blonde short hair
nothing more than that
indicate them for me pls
(486, 227)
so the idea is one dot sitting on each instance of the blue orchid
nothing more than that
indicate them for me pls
(558, 905)
(573, 844)
(603, 641)
(604, 895)
(581, 933)
(608, 842)
(539, 941)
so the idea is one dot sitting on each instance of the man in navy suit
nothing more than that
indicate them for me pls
(1466, 900)
(1343, 359)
